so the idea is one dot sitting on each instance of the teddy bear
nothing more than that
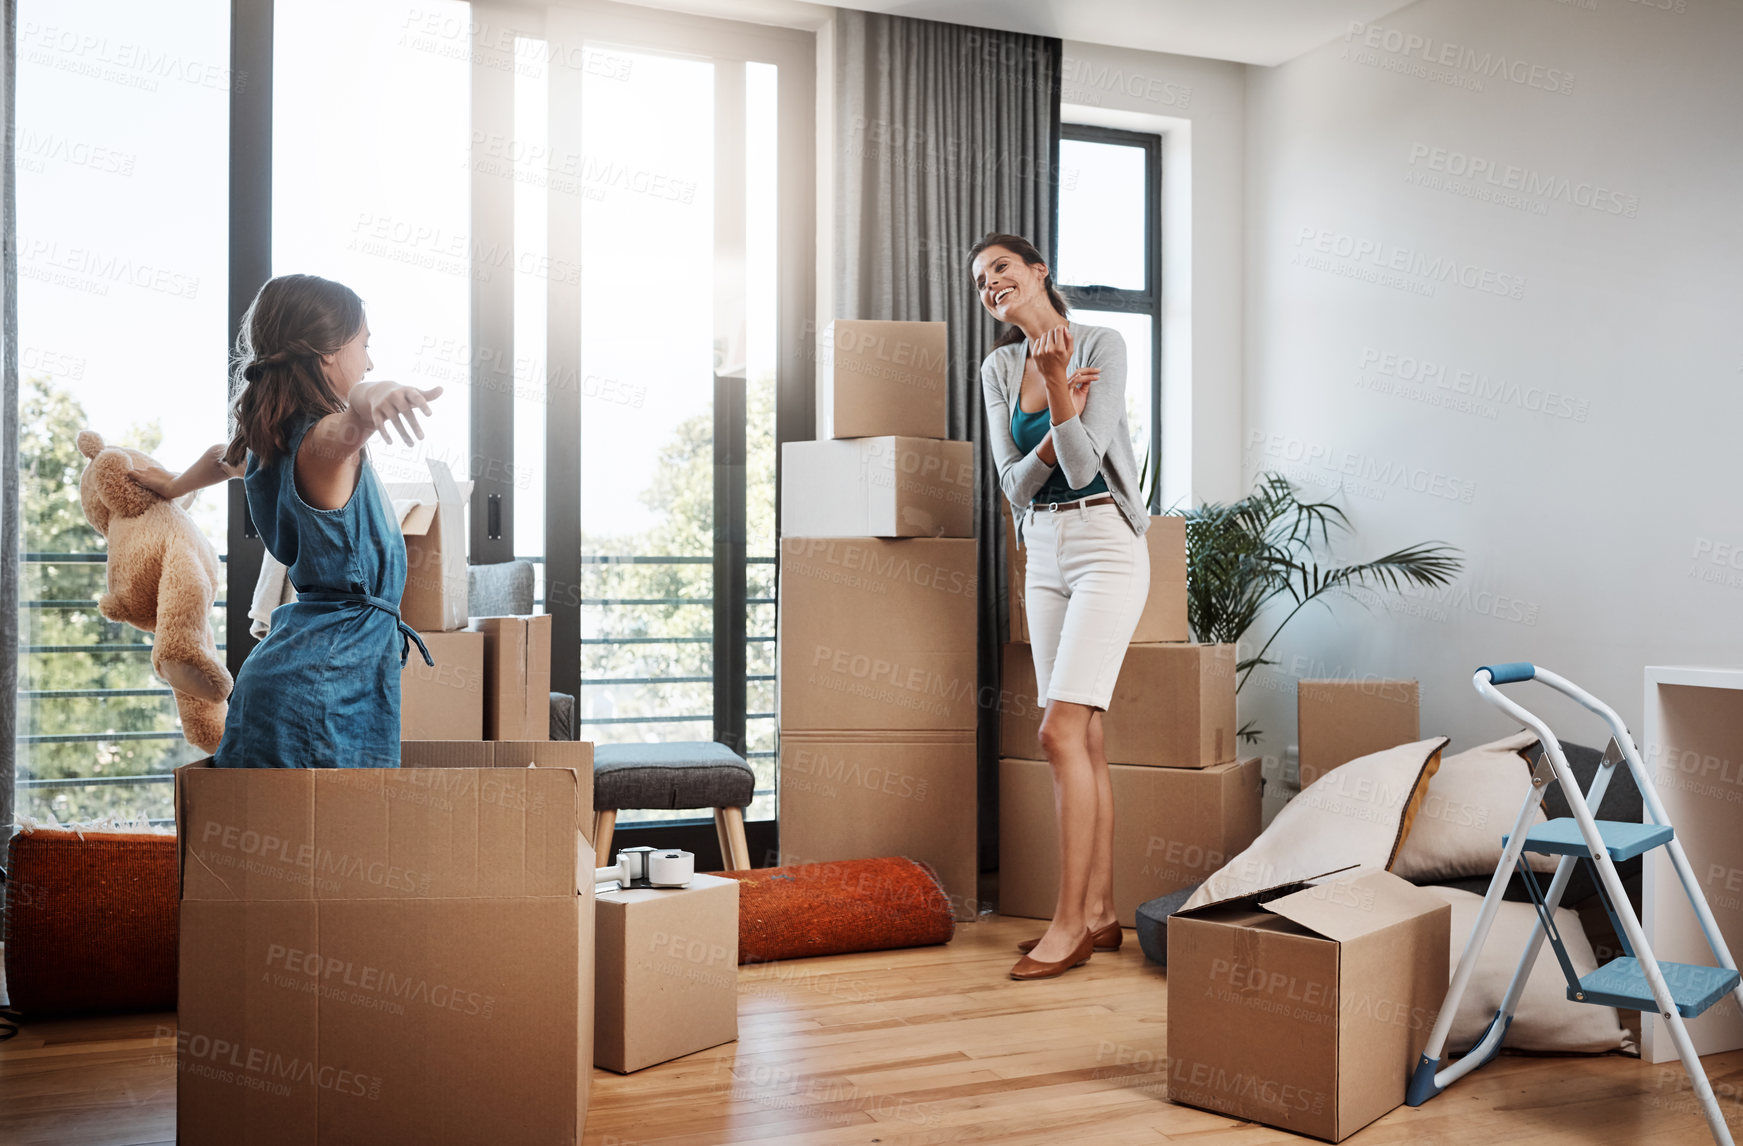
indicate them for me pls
(163, 579)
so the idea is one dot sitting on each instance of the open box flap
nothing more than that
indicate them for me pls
(1353, 906)
(415, 503)
(1265, 894)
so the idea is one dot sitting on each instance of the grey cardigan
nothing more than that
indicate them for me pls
(1096, 440)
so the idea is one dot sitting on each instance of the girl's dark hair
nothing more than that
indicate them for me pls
(1026, 251)
(277, 376)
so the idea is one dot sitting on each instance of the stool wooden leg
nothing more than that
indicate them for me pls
(726, 863)
(603, 823)
(729, 826)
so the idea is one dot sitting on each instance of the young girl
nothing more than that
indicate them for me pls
(1064, 457)
(322, 690)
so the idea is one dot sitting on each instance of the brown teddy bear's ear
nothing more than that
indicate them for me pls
(90, 443)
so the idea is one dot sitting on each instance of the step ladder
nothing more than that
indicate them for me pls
(1636, 980)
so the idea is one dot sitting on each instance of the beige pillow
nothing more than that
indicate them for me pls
(1472, 802)
(1356, 815)
(1545, 1020)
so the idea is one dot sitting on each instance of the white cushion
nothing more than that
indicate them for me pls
(1356, 815)
(1546, 1019)
(1473, 800)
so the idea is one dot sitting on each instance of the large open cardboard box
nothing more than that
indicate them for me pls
(384, 955)
(1173, 706)
(434, 525)
(879, 377)
(847, 795)
(1305, 1006)
(878, 634)
(1164, 615)
(1340, 720)
(1172, 827)
(877, 487)
(667, 972)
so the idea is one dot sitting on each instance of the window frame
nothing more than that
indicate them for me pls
(1149, 299)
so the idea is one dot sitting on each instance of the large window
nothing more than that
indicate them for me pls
(122, 146)
(591, 224)
(1109, 263)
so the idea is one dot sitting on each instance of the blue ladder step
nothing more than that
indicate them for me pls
(1621, 983)
(1623, 840)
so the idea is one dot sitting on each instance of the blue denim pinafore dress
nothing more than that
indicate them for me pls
(322, 690)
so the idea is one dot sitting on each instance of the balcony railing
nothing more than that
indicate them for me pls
(30, 697)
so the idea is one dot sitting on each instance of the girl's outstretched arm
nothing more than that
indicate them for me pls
(326, 465)
(209, 470)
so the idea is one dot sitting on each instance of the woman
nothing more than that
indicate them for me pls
(1064, 456)
(322, 690)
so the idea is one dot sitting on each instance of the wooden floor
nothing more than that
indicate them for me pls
(926, 1046)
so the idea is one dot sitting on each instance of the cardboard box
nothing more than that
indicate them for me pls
(1305, 1007)
(877, 634)
(877, 487)
(383, 955)
(1339, 720)
(444, 702)
(573, 754)
(846, 795)
(1164, 615)
(1172, 827)
(517, 677)
(666, 972)
(877, 378)
(1173, 706)
(433, 520)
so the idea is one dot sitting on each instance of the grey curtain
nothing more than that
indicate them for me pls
(943, 133)
(9, 518)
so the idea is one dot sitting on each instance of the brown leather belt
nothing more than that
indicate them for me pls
(1055, 506)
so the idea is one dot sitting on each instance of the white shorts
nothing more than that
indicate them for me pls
(1088, 576)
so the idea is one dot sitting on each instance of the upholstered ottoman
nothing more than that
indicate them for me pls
(1153, 922)
(680, 774)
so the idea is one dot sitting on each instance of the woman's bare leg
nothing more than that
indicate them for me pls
(1065, 739)
(1098, 901)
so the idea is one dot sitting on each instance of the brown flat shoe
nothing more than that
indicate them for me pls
(1028, 968)
(1106, 939)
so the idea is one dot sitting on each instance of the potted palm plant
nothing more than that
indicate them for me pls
(1244, 555)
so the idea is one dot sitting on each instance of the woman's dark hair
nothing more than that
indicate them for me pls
(1026, 251)
(277, 376)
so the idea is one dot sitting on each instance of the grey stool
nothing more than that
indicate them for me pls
(681, 774)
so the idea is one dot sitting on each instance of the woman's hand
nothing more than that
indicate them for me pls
(156, 479)
(375, 404)
(1052, 354)
(1079, 383)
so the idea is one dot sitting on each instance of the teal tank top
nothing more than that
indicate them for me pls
(1028, 430)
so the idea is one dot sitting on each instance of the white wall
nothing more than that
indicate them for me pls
(1197, 106)
(1592, 480)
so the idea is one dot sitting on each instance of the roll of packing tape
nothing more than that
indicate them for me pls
(670, 868)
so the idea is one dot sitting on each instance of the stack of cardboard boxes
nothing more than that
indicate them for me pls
(1184, 803)
(492, 676)
(876, 681)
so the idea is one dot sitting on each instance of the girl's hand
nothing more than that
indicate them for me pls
(375, 404)
(1052, 354)
(156, 479)
(1079, 383)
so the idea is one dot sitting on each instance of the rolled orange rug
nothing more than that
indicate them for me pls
(834, 908)
(91, 921)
